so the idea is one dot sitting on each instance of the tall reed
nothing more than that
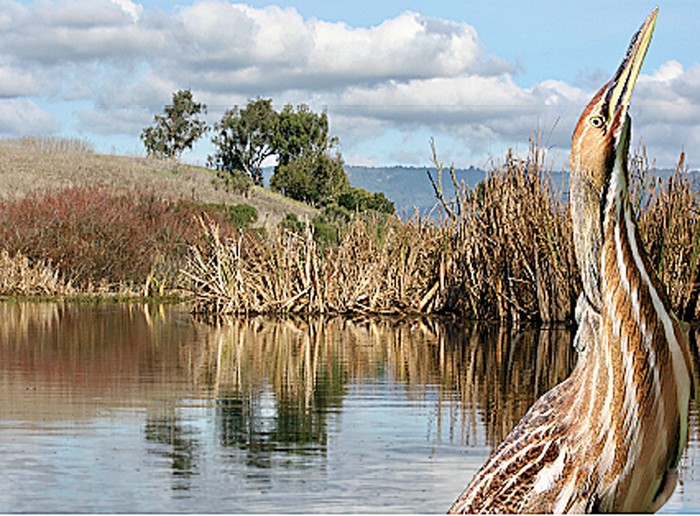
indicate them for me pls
(287, 271)
(503, 251)
(669, 220)
(511, 256)
(20, 276)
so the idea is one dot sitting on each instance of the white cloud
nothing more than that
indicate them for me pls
(408, 75)
(134, 10)
(406, 47)
(52, 33)
(116, 120)
(666, 112)
(221, 45)
(15, 82)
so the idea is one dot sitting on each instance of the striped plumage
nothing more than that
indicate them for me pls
(609, 438)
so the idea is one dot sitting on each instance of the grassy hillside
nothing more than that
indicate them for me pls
(45, 164)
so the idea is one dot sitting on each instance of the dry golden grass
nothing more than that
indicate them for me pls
(504, 253)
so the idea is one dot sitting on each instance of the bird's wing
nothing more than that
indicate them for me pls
(531, 460)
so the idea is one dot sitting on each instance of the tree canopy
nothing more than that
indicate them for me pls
(244, 139)
(309, 165)
(315, 179)
(177, 129)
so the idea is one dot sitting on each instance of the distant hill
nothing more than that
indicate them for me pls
(409, 187)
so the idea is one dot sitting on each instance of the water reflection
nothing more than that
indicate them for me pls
(246, 360)
(141, 409)
(178, 444)
(494, 373)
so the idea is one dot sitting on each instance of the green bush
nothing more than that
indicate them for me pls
(292, 223)
(242, 214)
(233, 182)
(313, 179)
(359, 200)
(325, 231)
(338, 214)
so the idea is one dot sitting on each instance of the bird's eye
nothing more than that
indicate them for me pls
(597, 121)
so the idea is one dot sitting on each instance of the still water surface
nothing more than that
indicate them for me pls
(140, 408)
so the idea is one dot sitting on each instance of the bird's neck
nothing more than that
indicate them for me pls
(631, 292)
(637, 323)
(585, 198)
(635, 373)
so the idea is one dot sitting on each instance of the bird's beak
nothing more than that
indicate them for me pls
(619, 91)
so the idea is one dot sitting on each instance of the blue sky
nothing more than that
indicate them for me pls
(479, 77)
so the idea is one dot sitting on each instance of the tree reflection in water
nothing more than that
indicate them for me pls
(176, 444)
(274, 384)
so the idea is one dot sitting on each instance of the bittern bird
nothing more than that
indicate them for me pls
(608, 438)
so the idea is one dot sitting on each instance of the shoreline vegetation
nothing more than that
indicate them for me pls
(501, 251)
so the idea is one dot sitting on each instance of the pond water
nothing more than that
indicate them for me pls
(140, 408)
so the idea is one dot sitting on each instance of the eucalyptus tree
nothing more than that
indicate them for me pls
(244, 138)
(177, 129)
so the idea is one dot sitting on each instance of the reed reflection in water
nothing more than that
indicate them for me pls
(309, 365)
(140, 408)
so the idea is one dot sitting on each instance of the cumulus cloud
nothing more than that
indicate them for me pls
(132, 9)
(52, 33)
(15, 82)
(119, 64)
(666, 111)
(236, 47)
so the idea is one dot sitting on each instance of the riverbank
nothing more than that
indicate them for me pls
(78, 225)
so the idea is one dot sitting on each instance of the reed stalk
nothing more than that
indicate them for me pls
(289, 272)
(20, 277)
(503, 252)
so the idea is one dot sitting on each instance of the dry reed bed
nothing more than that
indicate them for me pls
(670, 226)
(511, 256)
(285, 271)
(506, 254)
(19, 276)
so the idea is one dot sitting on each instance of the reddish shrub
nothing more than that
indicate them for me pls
(94, 235)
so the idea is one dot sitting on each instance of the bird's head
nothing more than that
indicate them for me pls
(599, 154)
(602, 132)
